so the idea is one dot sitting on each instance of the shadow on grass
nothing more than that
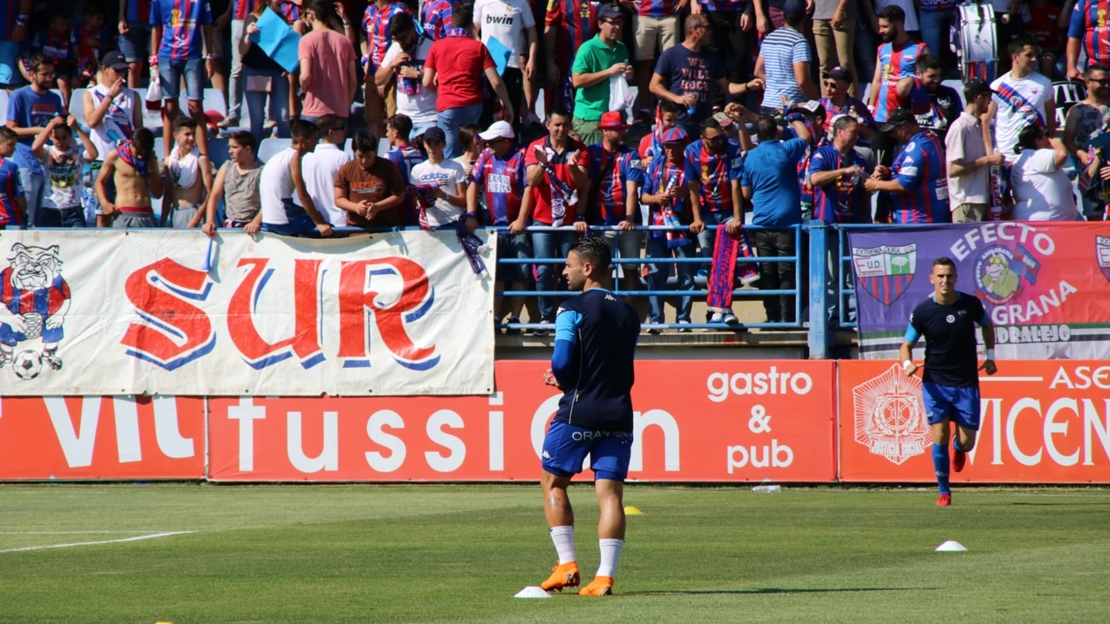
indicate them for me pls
(774, 590)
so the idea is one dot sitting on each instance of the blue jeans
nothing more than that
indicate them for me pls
(134, 44)
(33, 184)
(934, 29)
(707, 237)
(278, 98)
(658, 274)
(170, 72)
(451, 120)
(550, 245)
(866, 44)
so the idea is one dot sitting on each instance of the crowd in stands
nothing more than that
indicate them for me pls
(770, 113)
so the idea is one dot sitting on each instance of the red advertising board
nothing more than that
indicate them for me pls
(101, 438)
(1042, 422)
(726, 420)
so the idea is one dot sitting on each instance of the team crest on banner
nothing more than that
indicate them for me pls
(1102, 248)
(885, 272)
(889, 416)
(1001, 273)
(35, 299)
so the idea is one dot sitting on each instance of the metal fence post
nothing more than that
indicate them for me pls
(818, 292)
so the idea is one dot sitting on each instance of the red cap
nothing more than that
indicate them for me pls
(612, 120)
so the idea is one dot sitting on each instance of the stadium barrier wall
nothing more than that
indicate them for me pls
(696, 421)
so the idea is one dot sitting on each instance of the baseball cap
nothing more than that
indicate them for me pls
(609, 11)
(498, 130)
(977, 86)
(612, 120)
(811, 107)
(673, 135)
(722, 120)
(899, 117)
(435, 134)
(114, 60)
(839, 73)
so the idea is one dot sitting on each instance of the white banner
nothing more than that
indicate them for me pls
(102, 312)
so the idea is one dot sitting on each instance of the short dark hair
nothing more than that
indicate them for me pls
(322, 9)
(302, 129)
(926, 62)
(709, 123)
(400, 24)
(462, 16)
(766, 128)
(558, 111)
(7, 135)
(1028, 137)
(671, 107)
(1020, 43)
(794, 19)
(467, 134)
(245, 139)
(402, 124)
(364, 142)
(184, 121)
(843, 122)
(327, 123)
(943, 261)
(143, 139)
(38, 61)
(1094, 68)
(594, 250)
(893, 14)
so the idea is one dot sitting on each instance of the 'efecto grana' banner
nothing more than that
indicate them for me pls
(173, 313)
(1045, 285)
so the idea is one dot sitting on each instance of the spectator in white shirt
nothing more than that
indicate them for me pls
(404, 63)
(321, 165)
(441, 179)
(1042, 191)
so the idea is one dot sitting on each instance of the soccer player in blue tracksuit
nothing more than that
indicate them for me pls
(595, 344)
(950, 383)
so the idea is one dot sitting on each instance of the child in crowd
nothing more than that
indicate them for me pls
(64, 165)
(13, 206)
(188, 177)
(237, 183)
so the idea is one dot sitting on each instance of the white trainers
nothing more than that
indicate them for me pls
(716, 318)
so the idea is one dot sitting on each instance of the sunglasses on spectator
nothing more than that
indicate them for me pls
(612, 22)
(1104, 81)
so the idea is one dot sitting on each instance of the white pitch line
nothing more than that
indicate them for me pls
(1011, 379)
(114, 541)
(74, 532)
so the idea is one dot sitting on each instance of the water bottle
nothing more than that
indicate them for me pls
(767, 489)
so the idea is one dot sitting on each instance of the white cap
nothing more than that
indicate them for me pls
(498, 130)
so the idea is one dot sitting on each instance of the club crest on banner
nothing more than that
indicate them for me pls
(1102, 249)
(35, 299)
(885, 272)
(1001, 273)
(890, 417)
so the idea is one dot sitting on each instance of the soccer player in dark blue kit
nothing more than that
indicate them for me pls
(950, 383)
(595, 344)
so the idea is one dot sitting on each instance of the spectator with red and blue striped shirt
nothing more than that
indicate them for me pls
(918, 180)
(13, 206)
(498, 178)
(836, 174)
(616, 175)
(567, 25)
(897, 59)
(134, 37)
(1087, 31)
(375, 28)
(181, 31)
(666, 194)
(436, 18)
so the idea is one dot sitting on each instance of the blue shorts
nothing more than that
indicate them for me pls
(958, 404)
(170, 72)
(565, 448)
(134, 44)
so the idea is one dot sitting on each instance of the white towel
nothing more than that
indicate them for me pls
(183, 170)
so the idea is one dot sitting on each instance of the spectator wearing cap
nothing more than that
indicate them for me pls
(770, 181)
(558, 185)
(498, 180)
(783, 63)
(834, 30)
(616, 175)
(445, 177)
(369, 189)
(969, 160)
(403, 64)
(112, 110)
(651, 147)
(839, 101)
(685, 74)
(1041, 188)
(599, 60)
(668, 200)
(935, 105)
(454, 69)
(918, 180)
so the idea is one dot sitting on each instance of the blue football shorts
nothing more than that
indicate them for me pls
(958, 404)
(565, 448)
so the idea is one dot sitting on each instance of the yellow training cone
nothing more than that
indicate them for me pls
(632, 511)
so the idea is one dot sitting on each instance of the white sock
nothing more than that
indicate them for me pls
(610, 556)
(563, 537)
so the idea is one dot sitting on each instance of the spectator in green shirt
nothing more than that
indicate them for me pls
(598, 60)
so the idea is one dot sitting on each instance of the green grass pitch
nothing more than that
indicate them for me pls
(458, 553)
